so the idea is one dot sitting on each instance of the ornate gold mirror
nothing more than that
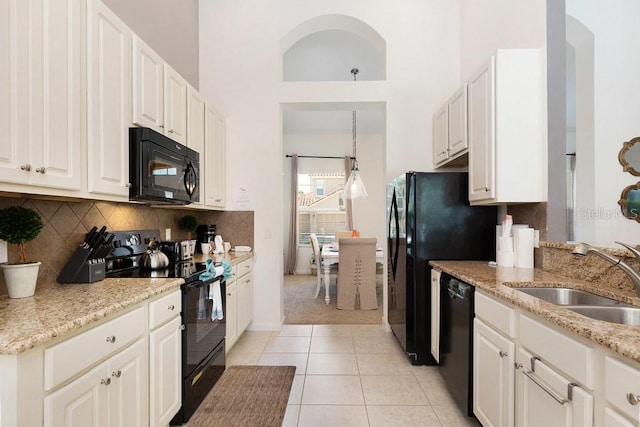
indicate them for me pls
(630, 202)
(629, 156)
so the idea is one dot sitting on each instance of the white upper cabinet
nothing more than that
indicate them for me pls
(159, 97)
(148, 86)
(41, 92)
(450, 131)
(109, 101)
(175, 105)
(506, 129)
(215, 158)
(196, 131)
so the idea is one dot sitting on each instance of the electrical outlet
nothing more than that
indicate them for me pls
(3, 251)
(536, 238)
(167, 234)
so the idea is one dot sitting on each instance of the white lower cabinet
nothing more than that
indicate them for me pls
(546, 397)
(239, 304)
(493, 376)
(165, 346)
(231, 315)
(126, 371)
(529, 372)
(115, 393)
(622, 392)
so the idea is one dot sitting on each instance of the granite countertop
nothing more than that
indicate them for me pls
(498, 281)
(56, 311)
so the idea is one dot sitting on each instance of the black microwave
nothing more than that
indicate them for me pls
(162, 170)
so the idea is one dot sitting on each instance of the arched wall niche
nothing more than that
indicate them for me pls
(326, 47)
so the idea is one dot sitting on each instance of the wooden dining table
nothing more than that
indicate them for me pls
(331, 255)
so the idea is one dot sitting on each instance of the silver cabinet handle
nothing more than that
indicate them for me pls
(228, 295)
(41, 170)
(170, 130)
(171, 307)
(561, 400)
(106, 381)
(503, 354)
(116, 373)
(111, 339)
(26, 167)
(633, 399)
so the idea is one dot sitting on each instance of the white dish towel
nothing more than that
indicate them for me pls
(216, 296)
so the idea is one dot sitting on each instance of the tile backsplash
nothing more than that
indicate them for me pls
(66, 222)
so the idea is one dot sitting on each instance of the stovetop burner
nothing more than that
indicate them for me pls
(190, 271)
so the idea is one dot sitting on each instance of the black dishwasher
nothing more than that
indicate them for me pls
(456, 339)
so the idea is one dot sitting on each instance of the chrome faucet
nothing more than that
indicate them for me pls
(583, 249)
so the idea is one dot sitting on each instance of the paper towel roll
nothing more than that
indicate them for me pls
(504, 252)
(523, 247)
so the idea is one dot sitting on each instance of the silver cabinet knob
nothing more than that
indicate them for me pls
(106, 381)
(41, 170)
(111, 339)
(171, 307)
(26, 167)
(182, 327)
(503, 354)
(128, 185)
(161, 126)
(116, 373)
(633, 399)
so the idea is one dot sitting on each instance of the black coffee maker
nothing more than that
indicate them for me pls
(205, 233)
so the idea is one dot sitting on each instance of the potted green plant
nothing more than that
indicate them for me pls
(20, 225)
(189, 224)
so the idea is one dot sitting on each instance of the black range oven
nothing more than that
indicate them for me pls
(203, 333)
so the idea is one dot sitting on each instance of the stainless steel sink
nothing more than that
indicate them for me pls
(567, 296)
(588, 304)
(628, 315)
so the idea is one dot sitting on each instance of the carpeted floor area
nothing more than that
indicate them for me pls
(246, 396)
(301, 308)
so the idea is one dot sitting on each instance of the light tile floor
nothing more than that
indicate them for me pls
(351, 375)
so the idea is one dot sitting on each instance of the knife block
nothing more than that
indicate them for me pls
(81, 269)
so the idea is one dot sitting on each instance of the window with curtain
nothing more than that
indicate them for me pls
(320, 206)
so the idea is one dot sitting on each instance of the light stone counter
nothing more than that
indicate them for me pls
(497, 281)
(54, 312)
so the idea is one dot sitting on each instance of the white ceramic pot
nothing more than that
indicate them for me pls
(21, 279)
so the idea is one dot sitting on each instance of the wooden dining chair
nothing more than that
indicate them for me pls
(357, 274)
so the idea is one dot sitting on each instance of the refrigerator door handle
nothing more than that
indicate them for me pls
(393, 216)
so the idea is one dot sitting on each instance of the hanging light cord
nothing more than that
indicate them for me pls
(354, 71)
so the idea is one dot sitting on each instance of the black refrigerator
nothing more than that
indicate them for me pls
(429, 218)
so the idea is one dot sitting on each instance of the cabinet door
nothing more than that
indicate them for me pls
(231, 316)
(80, 403)
(440, 137)
(457, 122)
(40, 92)
(148, 86)
(175, 105)
(129, 388)
(108, 103)
(215, 158)
(543, 399)
(435, 314)
(195, 131)
(245, 302)
(165, 367)
(493, 376)
(481, 133)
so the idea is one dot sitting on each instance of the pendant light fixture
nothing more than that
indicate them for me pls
(354, 188)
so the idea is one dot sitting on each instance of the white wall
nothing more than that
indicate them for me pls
(491, 24)
(240, 71)
(616, 102)
(169, 27)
